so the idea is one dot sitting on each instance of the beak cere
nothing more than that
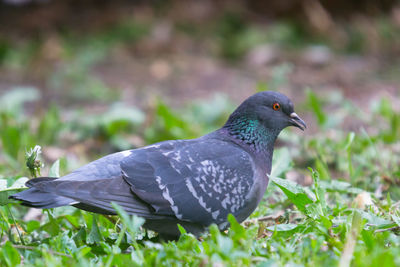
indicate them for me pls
(297, 121)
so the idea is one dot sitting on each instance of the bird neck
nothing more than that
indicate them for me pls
(251, 132)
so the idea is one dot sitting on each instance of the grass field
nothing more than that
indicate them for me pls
(333, 197)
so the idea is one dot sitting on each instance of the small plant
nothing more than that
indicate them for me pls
(33, 162)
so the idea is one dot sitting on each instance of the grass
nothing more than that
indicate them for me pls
(336, 201)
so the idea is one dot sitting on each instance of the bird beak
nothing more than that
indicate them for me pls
(297, 121)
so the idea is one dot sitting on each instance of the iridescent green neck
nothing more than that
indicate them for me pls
(252, 132)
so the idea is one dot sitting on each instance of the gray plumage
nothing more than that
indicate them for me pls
(191, 182)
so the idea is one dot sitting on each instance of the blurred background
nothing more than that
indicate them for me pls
(86, 78)
(78, 52)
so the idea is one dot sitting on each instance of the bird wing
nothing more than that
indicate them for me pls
(200, 180)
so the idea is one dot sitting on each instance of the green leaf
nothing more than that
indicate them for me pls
(11, 139)
(316, 106)
(181, 229)
(55, 169)
(322, 169)
(119, 117)
(281, 162)
(396, 219)
(282, 227)
(132, 223)
(50, 126)
(319, 192)
(349, 140)
(51, 227)
(94, 235)
(339, 186)
(294, 192)
(83, 251)
(10, 254)
(80, 236)
(16, 187)
(314, 210)
(67, 242)
(32, 225)
(374, 220)
(368, 238)
(236, 230)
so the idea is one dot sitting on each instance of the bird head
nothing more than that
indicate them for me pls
(273, 110)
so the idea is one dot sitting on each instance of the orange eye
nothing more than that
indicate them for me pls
(276, 106)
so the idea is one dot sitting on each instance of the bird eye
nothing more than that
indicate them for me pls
(276, 106)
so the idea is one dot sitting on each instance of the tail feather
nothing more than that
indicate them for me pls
(95, 196)
(36, 198)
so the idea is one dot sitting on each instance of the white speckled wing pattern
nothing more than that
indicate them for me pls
(191, 181)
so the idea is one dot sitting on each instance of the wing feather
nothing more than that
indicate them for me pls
(190, 180)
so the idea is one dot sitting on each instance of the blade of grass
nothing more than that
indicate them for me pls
(351, 240)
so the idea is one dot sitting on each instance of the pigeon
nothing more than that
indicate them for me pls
(194, 183)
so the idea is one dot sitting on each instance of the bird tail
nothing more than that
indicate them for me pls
(40, 195)
(93, 195)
